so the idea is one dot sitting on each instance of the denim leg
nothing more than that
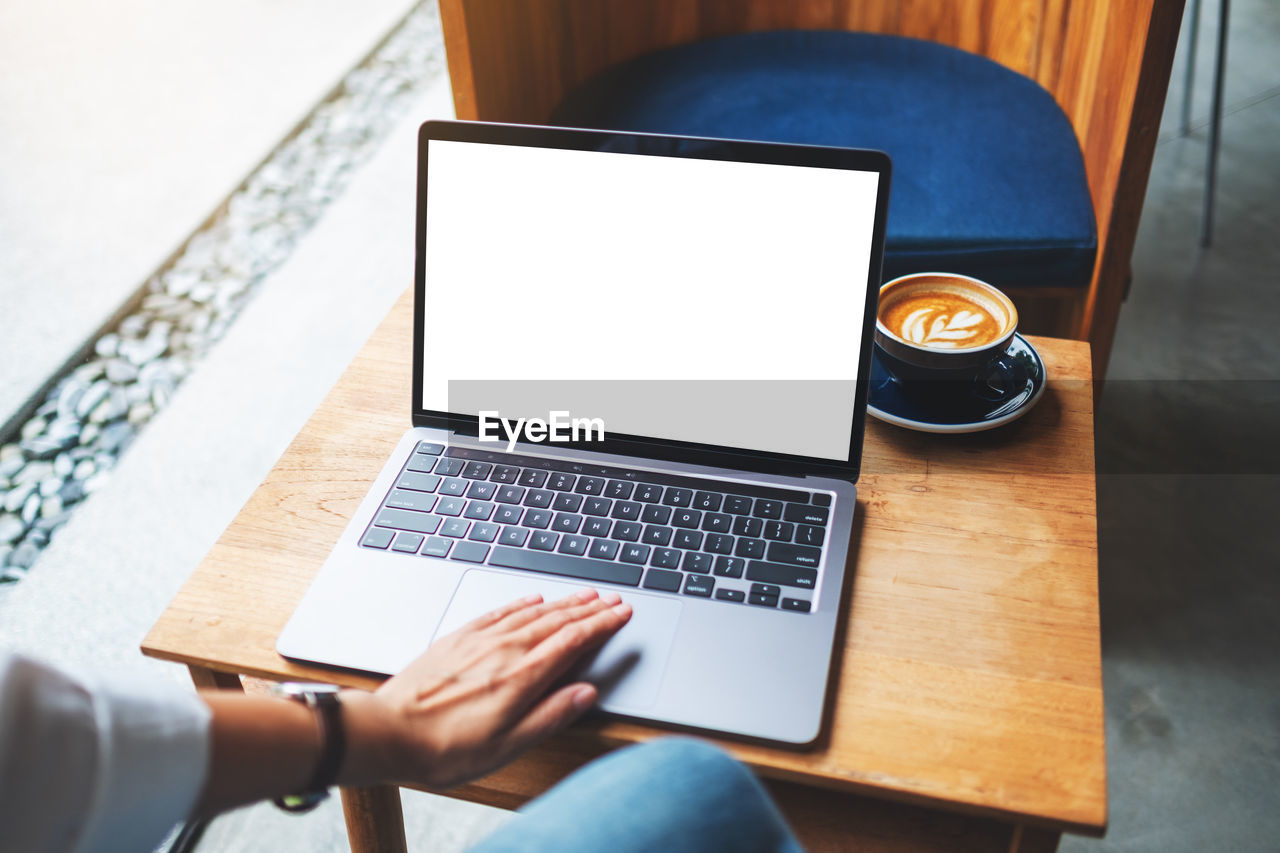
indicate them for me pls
(674, 795)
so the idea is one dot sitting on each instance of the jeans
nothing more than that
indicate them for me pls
(674, 795)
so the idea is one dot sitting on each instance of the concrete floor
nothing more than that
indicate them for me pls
(1189, 481)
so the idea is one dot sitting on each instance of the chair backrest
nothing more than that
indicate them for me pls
(1106, 62)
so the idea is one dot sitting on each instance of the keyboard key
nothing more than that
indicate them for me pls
(696, 561)
(744, 526)
(707, 501)
(648, 493)
(750, 548)
(730, 567)
(656, 534)
(430, 448)
(407, 543)
(729, 594)
(796, 605)
(405, 499)
(809, 535)
(561, 482)
(451, 506)
(436, 547)
(481, 490)
(418, 482)
(699, 585)
(604, 549)
(775, 573)
(455, 528)
(510, 495)
(690, 540)
(689, 518)
(627, 510)
(513, 536)
(590, 486)
(762, 600)
(799, 555)
(597, 506)
(596, 526)
(538, 519)
(665, 558)
(737, 505)
(654, 514)
(566, 566)
(567, 502)
(406, 519)
(663, 580)
(634, 553)
(453, 487)
(540, 498)
(479, 510)
(471, 552)
(575, 545)
(779, 531)
(449, 467)
(377, 537)
(718, 543)
(806, 514)
(566, 522)
(544, 540)
(769, 589)
(422, 464)
(533, 478)
(504, 474)
(507, 514)
(678, 497)
(477, 470)
(717, 522)
(767, 509)
(628, 531)
(619, 490)
(484, 531)
(821, 499)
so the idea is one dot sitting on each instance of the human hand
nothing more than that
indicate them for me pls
(477, 698)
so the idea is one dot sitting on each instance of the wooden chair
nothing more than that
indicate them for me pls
(1106, 63)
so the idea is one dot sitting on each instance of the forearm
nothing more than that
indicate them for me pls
(263, 747)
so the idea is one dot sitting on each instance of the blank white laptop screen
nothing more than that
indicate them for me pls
(697, 300)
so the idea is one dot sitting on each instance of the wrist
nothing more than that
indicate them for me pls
(373, 740)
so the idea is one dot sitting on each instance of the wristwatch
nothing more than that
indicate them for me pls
(323, 699)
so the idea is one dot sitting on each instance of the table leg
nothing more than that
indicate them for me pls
(375, 822)
(211, 679)
(1031, 839)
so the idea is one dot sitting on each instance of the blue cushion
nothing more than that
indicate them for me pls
(988, 178)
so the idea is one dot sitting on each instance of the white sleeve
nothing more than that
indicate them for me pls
(90, 768)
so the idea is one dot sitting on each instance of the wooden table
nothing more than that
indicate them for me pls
(967, 704)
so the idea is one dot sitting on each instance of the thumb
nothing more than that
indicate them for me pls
(549, 716)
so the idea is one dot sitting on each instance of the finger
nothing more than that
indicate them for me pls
(559, 651)
(547, 717)
(547, 624)
(498, 614)
(517, 620)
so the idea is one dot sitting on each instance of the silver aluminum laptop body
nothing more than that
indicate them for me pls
(685, 659)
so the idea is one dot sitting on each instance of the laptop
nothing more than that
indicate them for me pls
(640, 365)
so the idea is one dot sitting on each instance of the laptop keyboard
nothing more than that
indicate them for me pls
(732, 542)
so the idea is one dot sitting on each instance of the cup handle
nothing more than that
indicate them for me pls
(1001, 379)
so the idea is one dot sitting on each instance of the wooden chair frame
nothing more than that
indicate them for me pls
(1106, 62)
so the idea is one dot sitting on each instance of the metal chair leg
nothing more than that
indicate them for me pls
(1215, 128)
(1189, 76)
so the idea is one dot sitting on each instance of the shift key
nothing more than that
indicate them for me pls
(776, 573)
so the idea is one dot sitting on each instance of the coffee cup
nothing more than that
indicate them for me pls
(949, 333)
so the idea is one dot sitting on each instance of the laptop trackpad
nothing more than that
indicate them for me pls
(627, 670)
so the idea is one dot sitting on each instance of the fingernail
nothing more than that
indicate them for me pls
(584, 697)
(623, 609)
(611, 598)
(531, 599)
(586, 595)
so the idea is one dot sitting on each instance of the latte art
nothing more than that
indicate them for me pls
(940, 319)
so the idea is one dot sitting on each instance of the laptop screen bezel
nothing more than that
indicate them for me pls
(665, 146)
